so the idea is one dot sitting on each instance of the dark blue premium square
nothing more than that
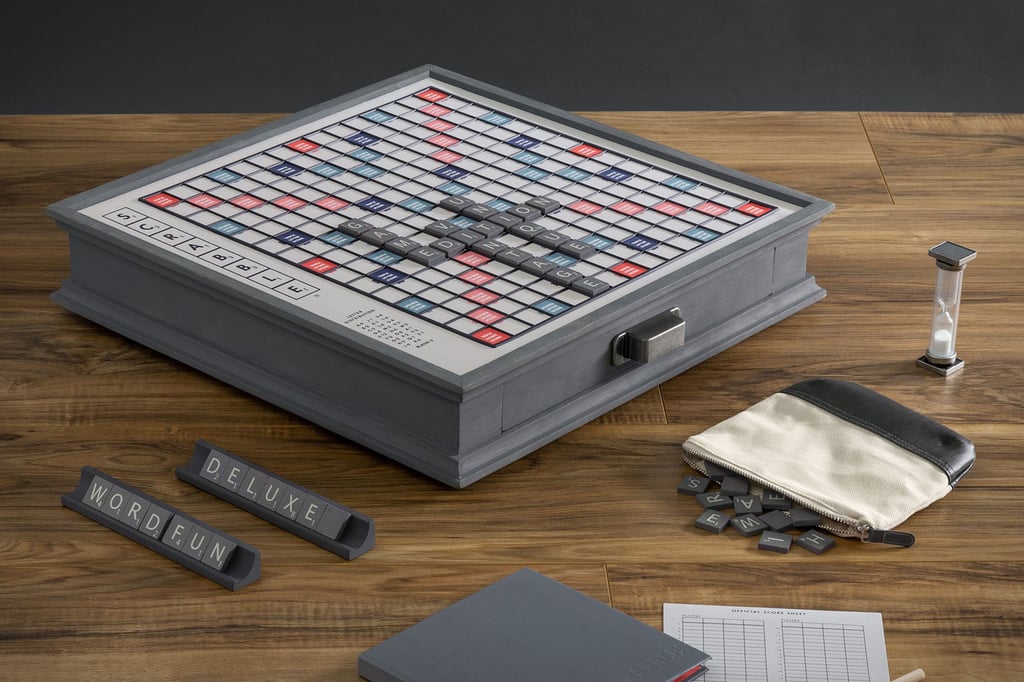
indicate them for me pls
(363, 139)
(294, 237)
(615, 175)
(450, 172)
(286, 169)
(374, 204)
(641, 243)
(523, 142)
(387, 276)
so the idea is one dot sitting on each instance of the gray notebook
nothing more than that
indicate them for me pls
(527, 627)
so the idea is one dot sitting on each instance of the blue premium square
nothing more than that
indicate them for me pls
(374, 204)
(523, 142)
(387, 276)
(286, 169)
(363, 139)
(294, 237)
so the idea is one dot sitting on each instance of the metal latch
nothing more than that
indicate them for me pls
(650, 339)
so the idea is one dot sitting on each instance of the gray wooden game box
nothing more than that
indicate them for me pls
(444, 405)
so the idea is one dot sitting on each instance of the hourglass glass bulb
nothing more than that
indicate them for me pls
(950, 259)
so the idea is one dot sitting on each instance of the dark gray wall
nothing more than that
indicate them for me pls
(265, 56)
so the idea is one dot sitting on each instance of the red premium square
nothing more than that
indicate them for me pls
(443, 140)
(584, 207)
(627, 207)
(432, 95)
(627, 269)
(668, 208)
(331, 203)
(303, 145)
(446, 156)
(485, 315)
(289, 202)
(204, 201)
(247, 201)
(321, 265)
(163, 200)
(471, 258)
(481, 296)
(587, 150)
(491, 337)
(756, 210)
(435, 110)
(711, 208)
(439, 125)
(476, 277)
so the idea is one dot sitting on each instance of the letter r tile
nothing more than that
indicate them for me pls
(135, 511)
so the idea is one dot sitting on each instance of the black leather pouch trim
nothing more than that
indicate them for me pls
(898, 424)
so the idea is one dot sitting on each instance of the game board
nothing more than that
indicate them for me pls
(446, 272)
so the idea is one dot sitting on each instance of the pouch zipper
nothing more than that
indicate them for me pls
(837, 524)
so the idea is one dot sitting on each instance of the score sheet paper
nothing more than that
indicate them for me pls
(782, 645)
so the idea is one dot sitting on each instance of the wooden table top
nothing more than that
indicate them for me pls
(597, 509)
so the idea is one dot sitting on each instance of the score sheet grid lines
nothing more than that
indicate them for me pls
(778, 645)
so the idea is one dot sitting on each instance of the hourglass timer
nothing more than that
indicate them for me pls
(951, 260)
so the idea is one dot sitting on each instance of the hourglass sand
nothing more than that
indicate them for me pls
(951, 260)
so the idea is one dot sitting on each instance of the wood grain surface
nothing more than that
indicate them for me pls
(597, 509)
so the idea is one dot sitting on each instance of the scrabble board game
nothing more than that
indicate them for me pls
(445, 272)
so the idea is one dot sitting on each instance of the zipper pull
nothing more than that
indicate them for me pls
(887, 537)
